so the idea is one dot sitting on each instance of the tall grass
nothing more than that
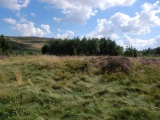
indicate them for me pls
(50, 87)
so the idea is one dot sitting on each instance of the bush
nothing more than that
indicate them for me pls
(45, 49)
(117, 65)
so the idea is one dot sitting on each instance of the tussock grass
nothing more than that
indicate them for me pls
(51, 87)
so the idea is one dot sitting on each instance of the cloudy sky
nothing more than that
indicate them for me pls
(128, 22)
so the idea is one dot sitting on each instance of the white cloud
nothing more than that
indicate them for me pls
(27, 28)
(33, 14)
(104, 4)
(14, 4)
(121, 23)
(21, 15)
(67, 34)
(141, 23)
(140, 44)
(59, 30)
(10, 21)
(148, 15)
(46, 28)
(125, 24)
(157, 39)
(82, 10)
(103, 29)
(22, 20)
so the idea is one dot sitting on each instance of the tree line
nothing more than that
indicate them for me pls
(75, 46)
(149, 51)
(86, 46)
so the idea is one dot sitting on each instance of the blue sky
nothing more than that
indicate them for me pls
(128, 22)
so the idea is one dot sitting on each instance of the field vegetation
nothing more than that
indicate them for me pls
(98, 84)
(79, 88)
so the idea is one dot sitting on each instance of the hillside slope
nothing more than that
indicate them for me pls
(24, 44)
(79, 88)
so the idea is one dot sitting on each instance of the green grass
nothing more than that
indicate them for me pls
(74, 88)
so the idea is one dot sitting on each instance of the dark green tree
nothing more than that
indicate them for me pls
(5, 47)
(93, 46)
(119, 50)
(84, 44)
(131, 52)
(157, 50)
(111, 47)
(103, 46)
(77, 46)
(135, 52)
(45, 49)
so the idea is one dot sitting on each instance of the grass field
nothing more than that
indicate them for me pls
(79, 88)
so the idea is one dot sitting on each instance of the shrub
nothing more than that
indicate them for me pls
(45, 49)
(117, 65)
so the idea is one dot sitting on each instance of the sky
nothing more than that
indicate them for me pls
(128, 22)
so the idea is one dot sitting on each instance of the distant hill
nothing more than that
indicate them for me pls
(25, 44)
(29, 38)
